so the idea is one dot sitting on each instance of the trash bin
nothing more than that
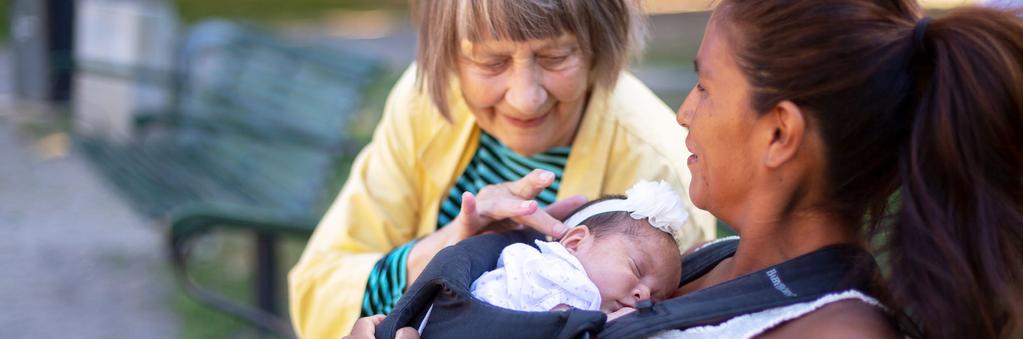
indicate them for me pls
(41, 35)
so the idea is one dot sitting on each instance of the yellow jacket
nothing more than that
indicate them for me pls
(393, 193)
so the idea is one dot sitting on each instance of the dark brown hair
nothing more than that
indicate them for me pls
(924, 142)
(609, 33)
(618, 222)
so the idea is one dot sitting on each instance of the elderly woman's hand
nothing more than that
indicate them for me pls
(365, 328)
(512, 201)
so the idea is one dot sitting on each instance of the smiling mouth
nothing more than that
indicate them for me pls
(526, 123)
(692, 157)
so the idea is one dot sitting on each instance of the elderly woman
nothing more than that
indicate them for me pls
(508, 98)
(812, 118)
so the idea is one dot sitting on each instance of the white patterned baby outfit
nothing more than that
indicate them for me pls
(527, 279)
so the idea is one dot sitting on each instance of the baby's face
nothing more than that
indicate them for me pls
(627, 269)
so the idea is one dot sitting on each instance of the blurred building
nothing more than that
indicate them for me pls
(41, 32)
(124, 57)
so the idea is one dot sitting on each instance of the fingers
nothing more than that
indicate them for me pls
(407, 333)
(377, 319)
(529, 186)
(543, 223)
(513, 200)
(496, 208)
(562, 208)
(468, 206)
(465, 224)
(365, 327)
(548, 221)
(497, 202)
(493, 204)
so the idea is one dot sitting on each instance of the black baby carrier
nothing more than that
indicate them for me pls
(441, 294)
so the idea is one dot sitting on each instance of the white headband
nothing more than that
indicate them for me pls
(655, 201)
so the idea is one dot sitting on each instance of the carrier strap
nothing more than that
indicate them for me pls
(805, 278)
(698, 263)
(444, 285)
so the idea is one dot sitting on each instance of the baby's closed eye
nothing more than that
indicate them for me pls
(635, 267)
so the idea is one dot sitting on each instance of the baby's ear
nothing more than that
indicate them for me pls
(575, 237)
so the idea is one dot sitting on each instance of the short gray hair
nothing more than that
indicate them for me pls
(609, 32)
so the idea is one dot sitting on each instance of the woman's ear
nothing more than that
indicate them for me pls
(575, 237)
(788, 126)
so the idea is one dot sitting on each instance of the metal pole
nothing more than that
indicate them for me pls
(266, 272)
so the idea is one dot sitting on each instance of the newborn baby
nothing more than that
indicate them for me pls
(619, 250)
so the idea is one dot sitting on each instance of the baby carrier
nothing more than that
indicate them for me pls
(441, 296)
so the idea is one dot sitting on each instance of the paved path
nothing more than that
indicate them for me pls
(75, 260)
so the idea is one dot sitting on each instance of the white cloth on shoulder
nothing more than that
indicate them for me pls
(756, 323)
(530, 280)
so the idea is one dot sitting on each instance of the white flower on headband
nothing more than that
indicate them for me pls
(657, 202)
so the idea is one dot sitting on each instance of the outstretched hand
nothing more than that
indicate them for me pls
(507, 205)
(511, 204)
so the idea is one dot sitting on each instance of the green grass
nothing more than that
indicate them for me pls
(5, 24)
(222, 262)
(215, 265)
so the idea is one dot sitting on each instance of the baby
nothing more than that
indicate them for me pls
(618, 250)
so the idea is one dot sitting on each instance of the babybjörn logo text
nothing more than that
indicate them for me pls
(778, 284)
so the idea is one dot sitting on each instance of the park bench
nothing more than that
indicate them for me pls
(257, 139)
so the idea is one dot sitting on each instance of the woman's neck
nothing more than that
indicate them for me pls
(771, 238)
(762, 247)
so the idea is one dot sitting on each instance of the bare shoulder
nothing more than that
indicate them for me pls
(842, 319)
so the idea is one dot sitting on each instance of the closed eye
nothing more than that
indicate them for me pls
(493, 65)
(635, 268)
(552, 61)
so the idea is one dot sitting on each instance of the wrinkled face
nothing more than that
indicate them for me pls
(529, 94)
(720, 122)
(627, 269)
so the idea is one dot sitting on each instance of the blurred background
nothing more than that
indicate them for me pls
(154, 151)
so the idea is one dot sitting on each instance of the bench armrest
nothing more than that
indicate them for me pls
(193, 220)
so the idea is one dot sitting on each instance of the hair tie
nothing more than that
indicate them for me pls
(918, 35)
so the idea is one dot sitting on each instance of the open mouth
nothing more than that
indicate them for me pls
(692, 157)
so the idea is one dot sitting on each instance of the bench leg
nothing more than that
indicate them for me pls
(266, 272)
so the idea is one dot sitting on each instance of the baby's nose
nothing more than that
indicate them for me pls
(641, 292)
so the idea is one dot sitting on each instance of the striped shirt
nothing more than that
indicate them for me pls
(493, 163)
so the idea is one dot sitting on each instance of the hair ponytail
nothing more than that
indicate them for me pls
(956, 248)
(934, 113)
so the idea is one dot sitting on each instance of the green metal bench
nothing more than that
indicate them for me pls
(257, 139)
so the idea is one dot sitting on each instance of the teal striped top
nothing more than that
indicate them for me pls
(493, 163)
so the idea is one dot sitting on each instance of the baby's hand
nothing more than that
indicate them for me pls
(620, 312)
